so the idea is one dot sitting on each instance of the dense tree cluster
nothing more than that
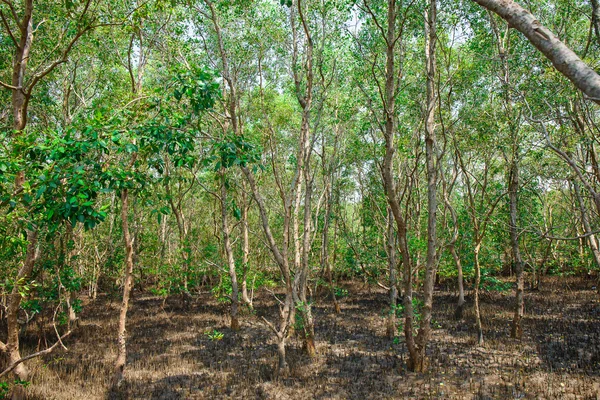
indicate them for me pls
(173, 146)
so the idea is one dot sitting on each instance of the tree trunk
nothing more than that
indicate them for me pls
(585, 221)
(119, 368)
(562, 57)
(388, 179)
(12, 346)
(431, 158)
(596, 18)
(391, 327)
(325, 247)
(458, 313)
(245, 247)
(281, 258)
(476, 295)
(513, 187)
(235, 325)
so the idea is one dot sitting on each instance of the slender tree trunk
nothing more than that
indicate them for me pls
(389, 184)
(245, 247)
(458, 313)
(596, 18)
(20, 101)
(391, 327)
(235, 325)
(585, 221)
(431, 158)
(119, 368)
(71, 295)
(476, 294)
(306, 306)
(325, 247)
(12, 346)
(281, 258)
(513, 187)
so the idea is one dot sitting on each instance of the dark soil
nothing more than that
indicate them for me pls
(170, 356)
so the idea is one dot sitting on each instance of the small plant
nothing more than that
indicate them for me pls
(22, 383)
(417, 316)
(215, 335)
(493, 284)
(4, 389)
(340, 292)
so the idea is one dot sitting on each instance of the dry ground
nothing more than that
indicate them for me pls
(171, 357)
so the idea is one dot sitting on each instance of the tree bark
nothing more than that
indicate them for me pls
(561, 56)
(432, 173)
(585, 221)
(235, 325)
(389, 184)
(12, 347)
(391, 327)
(119, 368)
(476, 295)
(513, 187)
(596, 18)
(245, 247)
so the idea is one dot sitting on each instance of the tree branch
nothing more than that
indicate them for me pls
(11, 87)
(35, 355)
(5, 22)
(562, 57)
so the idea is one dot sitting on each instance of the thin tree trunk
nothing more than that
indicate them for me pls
(235, 325)
(12, 346)
(20, 101)
(325, 247)
(245, 247)
(391, 327)
(596, 18)
(388, 180)
(585, 221)
(431, 158)
(517, 330)
(119, 368)
(476, 295)
(281, 258)
(460, 305)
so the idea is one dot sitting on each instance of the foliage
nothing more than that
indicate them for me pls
(215, 335)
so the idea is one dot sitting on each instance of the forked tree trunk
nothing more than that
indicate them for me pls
(388, 180)
(304, 95)
(432, 173)
(119, 368)
(281, 258)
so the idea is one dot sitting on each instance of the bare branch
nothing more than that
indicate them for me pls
(11, 87)
(35, 355)
(5, 22)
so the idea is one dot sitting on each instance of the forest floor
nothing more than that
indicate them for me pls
(170, 356)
